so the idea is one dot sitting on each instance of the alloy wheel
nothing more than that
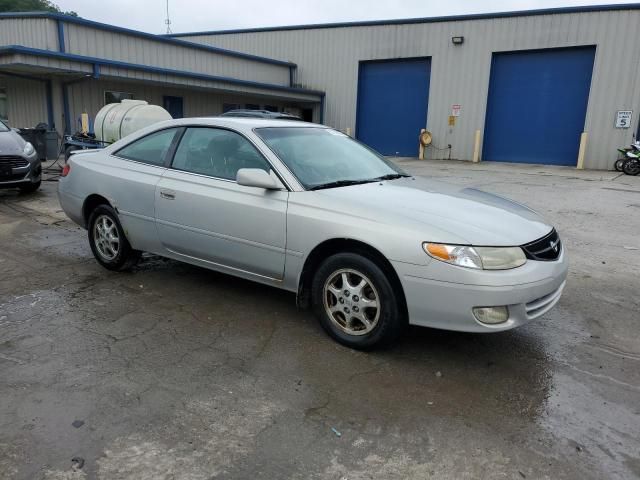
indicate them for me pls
(106, 237)
(351, 301)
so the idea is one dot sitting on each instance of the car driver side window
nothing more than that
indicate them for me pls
(216, 153)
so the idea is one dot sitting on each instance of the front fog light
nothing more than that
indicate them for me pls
(491, 315)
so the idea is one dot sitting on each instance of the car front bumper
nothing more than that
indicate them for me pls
(22, 176)
(435, 299)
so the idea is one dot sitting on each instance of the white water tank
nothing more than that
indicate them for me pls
(117, 120)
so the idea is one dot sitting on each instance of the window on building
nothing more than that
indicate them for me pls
(227, 107)
(217, 153)
(150, 149)
(252, 106)
(4, 107)
(271, 108)
(116, 97)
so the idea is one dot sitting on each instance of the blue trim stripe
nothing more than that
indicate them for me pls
(148, 36)
(61, 43)
(403, 21)
(18, 49)
(49, 95)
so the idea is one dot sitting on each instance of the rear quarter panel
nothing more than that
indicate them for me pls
(128, 186)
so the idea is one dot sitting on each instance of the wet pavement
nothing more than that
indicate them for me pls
(175, 372)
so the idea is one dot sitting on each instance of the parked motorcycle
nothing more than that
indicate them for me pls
(631, 153)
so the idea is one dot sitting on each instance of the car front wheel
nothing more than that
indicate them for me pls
(355, 302)
(108, 242)
(31, 187)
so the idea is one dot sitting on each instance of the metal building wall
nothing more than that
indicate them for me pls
(328, 59)
(88, 97)
(30, 32)
(118, 45)
(84, 40)
(26, 101)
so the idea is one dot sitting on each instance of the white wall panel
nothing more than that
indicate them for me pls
(88, 41)
(29, 32)
(26, 100)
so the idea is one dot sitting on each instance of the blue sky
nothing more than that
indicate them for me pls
(195, 15)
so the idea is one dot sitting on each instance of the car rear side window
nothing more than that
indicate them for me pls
(151, 149)
(216, 152)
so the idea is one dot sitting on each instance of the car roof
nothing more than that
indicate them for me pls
(242, 123)
(256, 113)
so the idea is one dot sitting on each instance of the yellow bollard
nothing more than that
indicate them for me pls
(84, 123)
(476, 148)
(582, 151)
(421, 147)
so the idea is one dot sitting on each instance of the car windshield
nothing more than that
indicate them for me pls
(3, 127)
(326, 158)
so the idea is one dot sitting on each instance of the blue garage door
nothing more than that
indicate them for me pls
(392, 105)
(537, 104)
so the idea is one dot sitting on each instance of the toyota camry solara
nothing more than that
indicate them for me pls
(305, 208)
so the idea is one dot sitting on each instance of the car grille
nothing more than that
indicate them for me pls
(545, 249)
(542, 305)
(13, 162)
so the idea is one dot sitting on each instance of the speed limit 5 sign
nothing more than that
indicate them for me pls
(623, 118)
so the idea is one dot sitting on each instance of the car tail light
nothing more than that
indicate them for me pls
(65, 170)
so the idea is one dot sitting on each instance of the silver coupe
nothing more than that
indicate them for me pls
(306, 208)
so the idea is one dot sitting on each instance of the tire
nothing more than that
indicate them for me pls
(619, 163)
(631, 167)
(108, 242)
(32, 187)
(362, 327)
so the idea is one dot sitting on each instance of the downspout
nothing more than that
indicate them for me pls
(49, 90)
(65, 108)
(322, 108)
(61, 45)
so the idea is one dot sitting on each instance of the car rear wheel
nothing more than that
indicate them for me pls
(355, 302)
(108, 241)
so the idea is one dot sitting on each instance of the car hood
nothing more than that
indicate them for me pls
(11, 143)
(443, 212)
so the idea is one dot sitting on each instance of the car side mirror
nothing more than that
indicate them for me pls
(256, 177)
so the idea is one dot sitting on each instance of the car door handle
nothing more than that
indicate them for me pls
(168, 194)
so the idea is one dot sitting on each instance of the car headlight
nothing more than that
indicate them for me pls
(28, 149)
(486, 258)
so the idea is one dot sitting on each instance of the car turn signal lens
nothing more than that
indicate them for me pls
(65, 170)
(439, 251)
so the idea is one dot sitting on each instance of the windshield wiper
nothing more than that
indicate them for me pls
(341, 183)
(391, 176)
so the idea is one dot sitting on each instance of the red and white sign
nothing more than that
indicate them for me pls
(455, 110)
